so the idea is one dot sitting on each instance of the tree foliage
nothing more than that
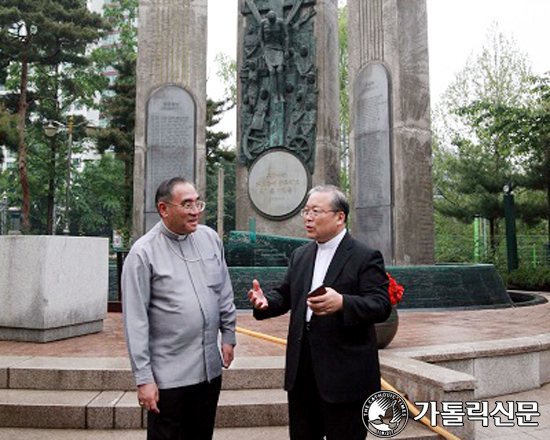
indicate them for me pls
(119, 101)
(36, 35)
(219, 156)
(472, 160)
(98, 197)
(524, 130)
(119, 108)
(227, 72)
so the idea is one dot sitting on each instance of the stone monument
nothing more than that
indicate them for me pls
(288, 109)
(171, 101)
(390, 148)
(52, 287)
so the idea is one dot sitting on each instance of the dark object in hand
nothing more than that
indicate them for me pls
(321, 290)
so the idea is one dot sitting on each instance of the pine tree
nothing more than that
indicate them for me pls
(41, 33)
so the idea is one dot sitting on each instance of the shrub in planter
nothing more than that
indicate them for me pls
(529, 278)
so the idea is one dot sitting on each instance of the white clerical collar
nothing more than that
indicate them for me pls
(164, 229)
(333, 242)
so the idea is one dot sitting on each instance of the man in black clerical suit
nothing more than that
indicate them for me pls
(332, 360)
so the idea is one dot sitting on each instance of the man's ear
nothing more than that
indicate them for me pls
(341, 218)
(161, 207)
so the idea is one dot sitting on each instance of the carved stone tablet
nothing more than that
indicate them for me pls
(170, 142)
(373, 158)
(278, 184)
(375, 228)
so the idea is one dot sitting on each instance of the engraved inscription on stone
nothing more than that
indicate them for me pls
(372, 128)
(277, 184)
(373, 198)
(170, 131)
(171, 148)
(375, 228)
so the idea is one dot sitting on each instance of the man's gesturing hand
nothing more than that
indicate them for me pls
(256, 296)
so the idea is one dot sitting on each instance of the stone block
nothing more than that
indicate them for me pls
(261, 372)
(44, 409)
(6, 362)
(427, 375)
(392, 34)
(100, 412)
(506, 374)
(507, 347)
(62, 373)
(246, 408)
(52, 287)
(438, 353)
(128, 413)
(463, 366)
(171, 51)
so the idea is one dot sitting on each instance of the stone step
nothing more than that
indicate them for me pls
(72, 434)
(80, 373)
(250, 408)
(120, 410)
(413, 431)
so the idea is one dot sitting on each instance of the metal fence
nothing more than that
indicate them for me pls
(533, 250)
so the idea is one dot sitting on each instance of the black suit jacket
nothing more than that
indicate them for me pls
(343, 345)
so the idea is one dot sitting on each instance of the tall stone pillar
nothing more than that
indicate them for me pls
(390, 128)
(171, 101)
(288, 119)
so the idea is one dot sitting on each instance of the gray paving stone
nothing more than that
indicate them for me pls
(72, 373)
(128, 413)
(100, 412)
(44, 409)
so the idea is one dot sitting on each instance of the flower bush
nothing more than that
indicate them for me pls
(395, 291)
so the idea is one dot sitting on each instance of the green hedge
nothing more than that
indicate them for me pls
(529, 278)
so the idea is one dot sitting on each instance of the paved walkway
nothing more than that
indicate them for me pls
(416, 328)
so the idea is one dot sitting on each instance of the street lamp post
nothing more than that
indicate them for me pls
(68, 192)
(51, 129)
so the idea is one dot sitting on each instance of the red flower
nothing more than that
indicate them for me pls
(395, 291)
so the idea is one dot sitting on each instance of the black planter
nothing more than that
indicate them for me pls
(385, 331)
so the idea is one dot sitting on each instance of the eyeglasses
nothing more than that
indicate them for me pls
(190, 206)
(314, 212)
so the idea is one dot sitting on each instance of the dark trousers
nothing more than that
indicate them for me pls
(186, 413)
(311, 418)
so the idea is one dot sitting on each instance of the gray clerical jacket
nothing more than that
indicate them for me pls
(177, 297)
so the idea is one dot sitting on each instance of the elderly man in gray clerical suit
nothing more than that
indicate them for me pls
(177, 299)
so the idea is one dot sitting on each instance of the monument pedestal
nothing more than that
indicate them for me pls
(52, 287)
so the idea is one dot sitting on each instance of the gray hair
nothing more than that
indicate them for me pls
(338, 202)
(164, 191)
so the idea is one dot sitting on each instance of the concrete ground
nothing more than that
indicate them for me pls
(416, 328)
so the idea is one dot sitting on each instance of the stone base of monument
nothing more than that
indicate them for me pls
(52, 287)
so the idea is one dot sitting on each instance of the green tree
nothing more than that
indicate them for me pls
(119, 135)
(227, 72)
(218, 156)
(119, 103)
(98, 197)
(472, 162)
(525, 130)
(42, 33)
(8, 130)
